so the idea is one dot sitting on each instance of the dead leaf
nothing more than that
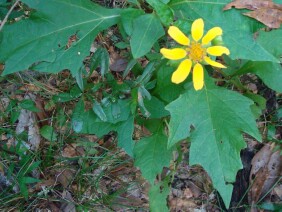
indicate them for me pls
(268, 16)
(119, 65)
(178, 204)
(264, 11)
(30, 87)
(278, 191)
(266, 169)
(69, 205)
(27, 120)
(73, 150)
(249, 4)
(65, 177)
(41, 115)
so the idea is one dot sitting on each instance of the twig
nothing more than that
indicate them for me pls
(8, 14)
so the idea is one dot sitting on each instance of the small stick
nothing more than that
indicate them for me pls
(8, 14)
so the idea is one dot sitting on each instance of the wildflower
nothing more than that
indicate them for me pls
(194, 52)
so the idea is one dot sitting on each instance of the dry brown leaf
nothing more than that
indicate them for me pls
(119, 65)
(264, 11)
(68, 205)
(65, 177)
(41, 115)
(30, 87)
(268, 16)
(72, 150)
(178, 204)
(249, 4)
(278, 191)
(266, 168)
(27, 119)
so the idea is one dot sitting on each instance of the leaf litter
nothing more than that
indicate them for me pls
(266, 171)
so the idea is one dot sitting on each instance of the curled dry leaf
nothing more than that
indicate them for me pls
(264, 11)
(266, 169)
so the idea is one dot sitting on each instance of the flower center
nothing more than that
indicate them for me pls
(196, 52)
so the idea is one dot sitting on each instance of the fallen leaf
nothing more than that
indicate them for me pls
(278, 191)
(65, 177)
(266, 169)
(73, 150)
(249, 4)
(119, 65)
(30, 87)
(68, 205)
(27, 119)
(268, 16)
(264, 11)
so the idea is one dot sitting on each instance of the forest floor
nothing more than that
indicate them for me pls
(77, 172)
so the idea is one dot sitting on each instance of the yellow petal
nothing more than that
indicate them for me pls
(173, 54)
(178, 36)
(198, 77)
(182, 71)
(218, 50)
(197, 29)
(211, 34)
(213, 63)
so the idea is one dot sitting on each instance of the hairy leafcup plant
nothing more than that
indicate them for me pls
(215, 46)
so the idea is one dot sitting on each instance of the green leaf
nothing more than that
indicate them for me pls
(79, 79)
(155, 107)
(29, 180)
(271, 206)
(260, 103)
(32, 166)
(217, 117)
(74, 93)
(165, 89)
(48, 133)
(238, 36)
(163, 11)
(28, 104)
(44, 36)
(270, 73)
(98, 110)
(147, 29)
(78, 117)
(127, 18)
(271, 41)
(130, 65)
(117, 111)
(121, 45)
(157, 196)
(87, 122)
(24, 189)
(151, 155)
(100, 59)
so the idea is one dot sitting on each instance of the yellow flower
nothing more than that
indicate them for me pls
(194, 53)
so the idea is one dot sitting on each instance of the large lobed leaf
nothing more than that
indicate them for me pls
(43, 37)
(151, 155)
(237, 29)
(147, 29)
(217, 118)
